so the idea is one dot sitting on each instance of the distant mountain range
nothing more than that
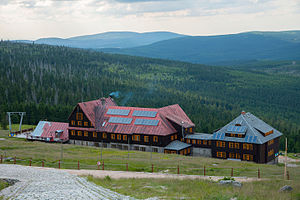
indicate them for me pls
(218, 50)
(109, 40)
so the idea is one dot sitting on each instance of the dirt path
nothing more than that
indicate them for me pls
(125, 174)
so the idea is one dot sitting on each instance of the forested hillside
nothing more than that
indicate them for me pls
(47, 81)
(221, 49)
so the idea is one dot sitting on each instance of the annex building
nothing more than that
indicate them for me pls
(169, 130)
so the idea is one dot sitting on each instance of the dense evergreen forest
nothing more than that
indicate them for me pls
(48, 81)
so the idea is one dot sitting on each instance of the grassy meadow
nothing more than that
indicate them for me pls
(115, 159)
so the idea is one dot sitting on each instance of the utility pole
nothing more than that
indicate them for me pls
(285, 163)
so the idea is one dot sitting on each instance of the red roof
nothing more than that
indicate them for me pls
(97, 114)
(164, 126)
(47, 130)
(90, 107)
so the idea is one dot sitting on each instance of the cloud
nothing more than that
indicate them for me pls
(36, 18)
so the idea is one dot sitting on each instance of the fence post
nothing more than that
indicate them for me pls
(258, 173)
(231, 172)
(177, 169)
(288, 175)
(1, 159)
(30, 162)
(42, 163)
(58, 164)
(204, 170)
(126, 166)
(103, 165)
(15, 160)
(152, 168)
(78, 165)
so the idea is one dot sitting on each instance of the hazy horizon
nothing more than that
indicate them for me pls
(34, 19)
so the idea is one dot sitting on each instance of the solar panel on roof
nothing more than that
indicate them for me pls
(118, 112)
(246, 138)
(255, 138)
(144, 113)
(230, 128)
(222, 136)
(149, 122)
(250, 138)
(120, 120)
(214, 136)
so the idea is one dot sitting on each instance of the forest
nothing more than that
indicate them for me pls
(47, 82)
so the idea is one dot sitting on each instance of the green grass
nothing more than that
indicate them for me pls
(3, 184)
(197, 189)
(115, 159)
(141, 161)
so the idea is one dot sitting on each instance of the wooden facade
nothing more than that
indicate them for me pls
(230, 146)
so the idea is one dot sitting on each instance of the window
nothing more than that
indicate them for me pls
(104, 135)
(188, 141)
(155, 149)
(268, 133)
(191, 130)
(136, 138)
(95, 134)
(175, 137)
(86, 134)
(119, 137)
(189, 150)
(185, 152)
(79, 116)
(112, 136)
(146, 138)
(271, 142)
(220, 144)
(79, 133)
(237, 145)
(198, 141)
(172, 137)
(73, 122)
(209, 142)
(238, 156)
(155, 139)
(271, 152)
(86, 123)
(125, 137)
(79, 123)
(248, 146)
(204, 142)
(247, 157)
(194, 141)
(231, 145)
(231, 155)
(240, 135)
(72, 132)
(221, 154)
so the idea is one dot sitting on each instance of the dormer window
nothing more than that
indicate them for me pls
(265, 131)
(236, 131)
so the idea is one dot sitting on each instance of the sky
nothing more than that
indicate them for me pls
(33, 19)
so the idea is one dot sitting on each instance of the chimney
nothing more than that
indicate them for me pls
(102, 101)
(243, 112)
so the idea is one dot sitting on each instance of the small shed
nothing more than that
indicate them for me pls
(178, 147)
(50, 132)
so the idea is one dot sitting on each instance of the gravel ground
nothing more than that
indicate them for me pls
(37, 183)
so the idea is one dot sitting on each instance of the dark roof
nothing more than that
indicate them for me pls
(253, 126)
(199, 136)
(177, 145)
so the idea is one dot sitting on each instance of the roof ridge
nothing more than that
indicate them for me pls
(250, 126)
